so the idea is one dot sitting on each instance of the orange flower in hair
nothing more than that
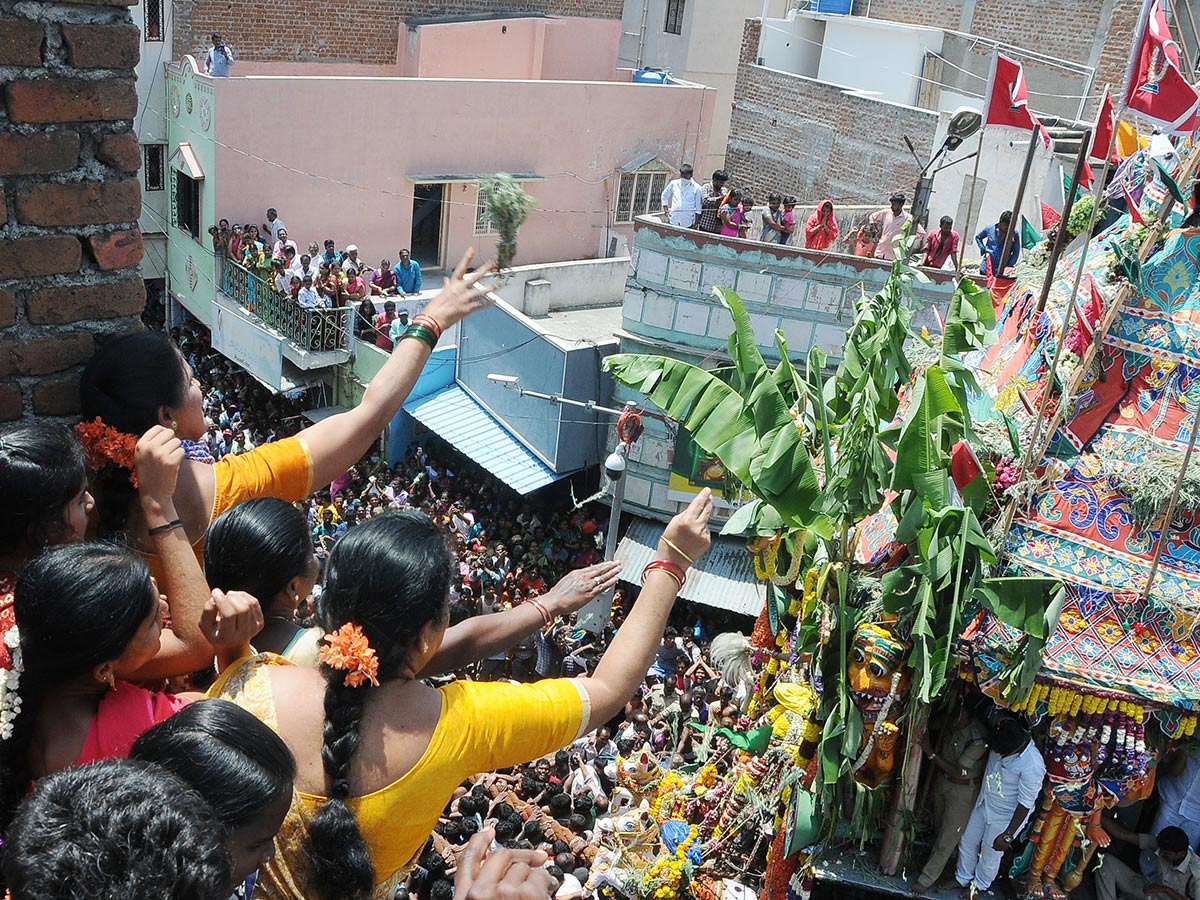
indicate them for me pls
(104, 444)
(349, 652)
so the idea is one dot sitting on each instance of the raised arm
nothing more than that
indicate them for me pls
(189, 644)
(482, 636)
(631, 652)
(338, 442)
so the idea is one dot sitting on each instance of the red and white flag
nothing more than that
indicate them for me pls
(1154, 86)
(1086, 179)
(1006, 101)
(1106, 128)
(1135, 214)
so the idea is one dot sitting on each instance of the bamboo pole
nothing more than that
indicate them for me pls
(1035, 135)
(1060, 236)
(1106, 322)
(1161, 543)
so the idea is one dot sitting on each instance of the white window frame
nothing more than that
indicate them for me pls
(483, 222)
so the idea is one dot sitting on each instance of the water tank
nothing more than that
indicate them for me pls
(838, 7)
(651, 76)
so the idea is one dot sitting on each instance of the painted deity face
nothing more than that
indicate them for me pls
(876, 656)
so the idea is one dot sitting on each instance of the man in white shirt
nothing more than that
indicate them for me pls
(891, 222)
(350, 259)
(274, 225)
(306, 267)
(308, 298)
(681, 199)
(1012, 783)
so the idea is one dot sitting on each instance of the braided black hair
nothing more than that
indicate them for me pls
(79, 605)
(391, 577)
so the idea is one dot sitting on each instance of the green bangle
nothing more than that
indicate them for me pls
(422, 334)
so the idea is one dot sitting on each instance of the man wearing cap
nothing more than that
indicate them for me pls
(1177, 868)
(218, 59)
(891, 222)
(351, 258)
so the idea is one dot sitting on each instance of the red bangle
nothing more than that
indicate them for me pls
(541, 608)
(665, 565)
(429, 322)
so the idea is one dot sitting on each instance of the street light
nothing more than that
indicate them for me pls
(595, 614)
(964, 123)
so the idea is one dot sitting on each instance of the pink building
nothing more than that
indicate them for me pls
(391, 156)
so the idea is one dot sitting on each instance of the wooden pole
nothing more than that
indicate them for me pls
(1060, 237)
(1161, 543)
(1035, 135)
(971, 196)
(1110, 316)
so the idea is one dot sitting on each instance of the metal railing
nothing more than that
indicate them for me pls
(309, 329)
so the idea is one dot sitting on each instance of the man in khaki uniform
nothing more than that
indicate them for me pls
(960, 765)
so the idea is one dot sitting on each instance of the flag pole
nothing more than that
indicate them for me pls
(1015, 223)
(1154, 230)
(1060, 237)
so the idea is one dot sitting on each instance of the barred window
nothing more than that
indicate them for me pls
(187, 204)
(154, 20)
(639, 193)
(152, 165)
(674, 23)
(483, 221)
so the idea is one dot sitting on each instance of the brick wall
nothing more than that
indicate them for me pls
(358, 31)
(69, 196)
(801, 136)
(933, 13)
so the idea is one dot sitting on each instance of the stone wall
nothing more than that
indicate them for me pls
(357, 31)
(69, 196)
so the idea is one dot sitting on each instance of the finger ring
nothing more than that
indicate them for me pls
(598, 582)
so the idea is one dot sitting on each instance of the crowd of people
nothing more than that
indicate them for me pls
(322, 277)
(716, 207)
(174, 674)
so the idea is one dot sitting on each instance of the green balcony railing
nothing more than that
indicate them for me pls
(309, 329)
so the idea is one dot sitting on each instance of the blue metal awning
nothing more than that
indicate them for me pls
(722, 578)
(456, 417)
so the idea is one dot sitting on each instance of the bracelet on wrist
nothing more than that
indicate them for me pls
(421, 333)
(163, 529)
(429, 322)
(670, 543)
(541, 608)
(670, 568)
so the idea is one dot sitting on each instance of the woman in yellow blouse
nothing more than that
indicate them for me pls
(378, 751)
(141, 380)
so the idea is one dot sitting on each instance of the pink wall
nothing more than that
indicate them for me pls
(521, 48)
(576, 134)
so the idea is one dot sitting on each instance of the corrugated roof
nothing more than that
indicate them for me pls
(455, 416)
(723, 578)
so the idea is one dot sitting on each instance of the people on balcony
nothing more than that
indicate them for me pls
(408, 275)
(821, 229)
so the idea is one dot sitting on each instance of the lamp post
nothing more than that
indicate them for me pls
(593, 616)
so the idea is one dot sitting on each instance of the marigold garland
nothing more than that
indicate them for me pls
(103, 445)
(348, 651)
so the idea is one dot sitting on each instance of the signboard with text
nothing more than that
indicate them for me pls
(250, 346)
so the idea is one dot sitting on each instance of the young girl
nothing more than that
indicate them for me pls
(730, 214)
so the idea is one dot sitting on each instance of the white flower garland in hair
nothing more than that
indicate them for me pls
(10, 699)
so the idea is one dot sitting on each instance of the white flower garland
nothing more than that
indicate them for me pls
(10, 699)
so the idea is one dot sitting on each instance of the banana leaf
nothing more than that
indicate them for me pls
(775, 467)
(970, 319)
(918, 449)
(1029, 604)
(711, 411)
(759, 387)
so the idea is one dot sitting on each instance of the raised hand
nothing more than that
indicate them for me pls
(230, 620)
(686, 536)
(500, 874)
(156, 459)
(579, 587)
(462, 292)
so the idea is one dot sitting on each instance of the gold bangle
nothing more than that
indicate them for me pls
(670, 543)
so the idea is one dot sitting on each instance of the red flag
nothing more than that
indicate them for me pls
(1106, 126)
(1086, 180)
(964, 465)
(1007, 99)
(1050, 216)
(1154, 86)
(1135, 214)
